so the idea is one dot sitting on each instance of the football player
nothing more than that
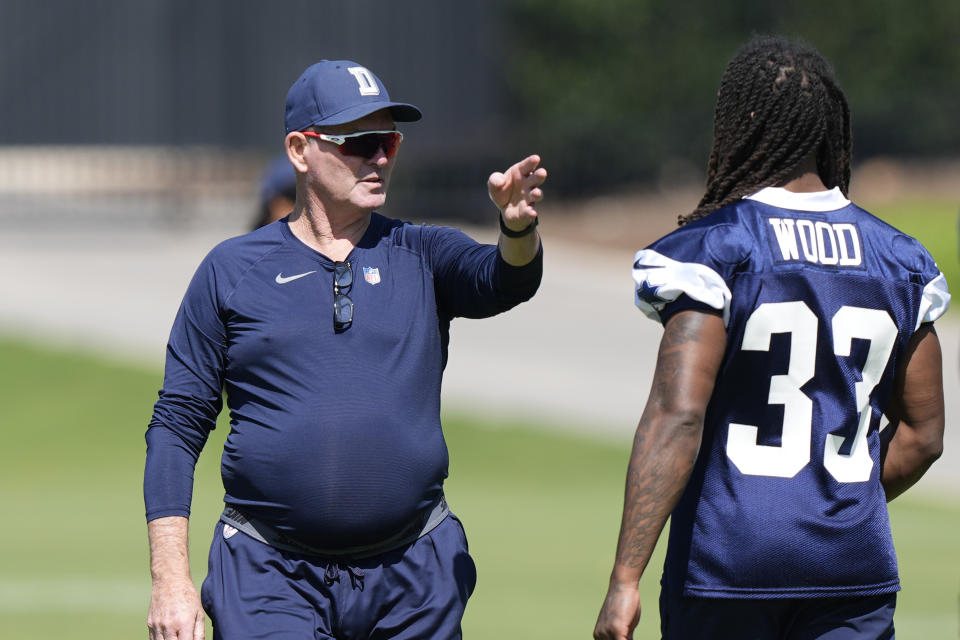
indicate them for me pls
(793, 321)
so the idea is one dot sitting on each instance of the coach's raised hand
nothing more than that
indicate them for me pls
(516, 191)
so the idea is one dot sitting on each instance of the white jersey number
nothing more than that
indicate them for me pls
(793, 453)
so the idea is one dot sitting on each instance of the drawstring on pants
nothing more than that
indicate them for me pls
(332, 574)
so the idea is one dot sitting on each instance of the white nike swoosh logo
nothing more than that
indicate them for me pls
(284, 280)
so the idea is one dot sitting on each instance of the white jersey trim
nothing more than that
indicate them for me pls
(812, 201)
(669, 279)
(935, 301)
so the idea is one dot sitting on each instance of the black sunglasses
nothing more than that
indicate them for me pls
(363, 144)
(342, 304)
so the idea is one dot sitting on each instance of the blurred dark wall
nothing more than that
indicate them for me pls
(613, 93)
(216, 72)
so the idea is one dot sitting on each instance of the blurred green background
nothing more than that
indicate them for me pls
(619, 91)
(156, 116)
(541, 511)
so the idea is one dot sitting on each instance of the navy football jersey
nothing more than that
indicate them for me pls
(819, 299)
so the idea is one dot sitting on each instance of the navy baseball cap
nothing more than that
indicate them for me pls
(338, 91)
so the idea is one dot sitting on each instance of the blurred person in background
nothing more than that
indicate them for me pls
(328, 331)
(278, 191)
(793, 321)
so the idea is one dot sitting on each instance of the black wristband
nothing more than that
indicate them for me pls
(510, 233)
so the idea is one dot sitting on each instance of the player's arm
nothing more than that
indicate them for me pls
(175, 609)
(664, 450)
(917, 403)
(516, 192)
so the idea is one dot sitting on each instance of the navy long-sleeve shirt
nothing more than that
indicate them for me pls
(335, 438)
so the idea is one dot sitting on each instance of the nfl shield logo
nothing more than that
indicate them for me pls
(371, 275)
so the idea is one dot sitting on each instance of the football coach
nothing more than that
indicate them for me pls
(328, 331)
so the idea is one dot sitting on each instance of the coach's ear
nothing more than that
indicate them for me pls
(296, 144)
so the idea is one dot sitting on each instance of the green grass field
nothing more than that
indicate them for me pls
(541, 511)
(932, 222)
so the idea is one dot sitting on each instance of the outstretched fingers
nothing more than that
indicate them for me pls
(516, 191)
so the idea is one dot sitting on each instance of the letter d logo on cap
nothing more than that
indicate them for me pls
(368, 86)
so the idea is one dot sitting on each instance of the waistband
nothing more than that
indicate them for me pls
(280, 540)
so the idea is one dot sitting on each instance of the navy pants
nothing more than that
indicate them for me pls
(851, 618)
(253, 590)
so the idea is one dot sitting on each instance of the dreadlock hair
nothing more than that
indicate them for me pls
(778, 103)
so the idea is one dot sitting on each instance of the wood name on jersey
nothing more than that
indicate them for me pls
(817, 241)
